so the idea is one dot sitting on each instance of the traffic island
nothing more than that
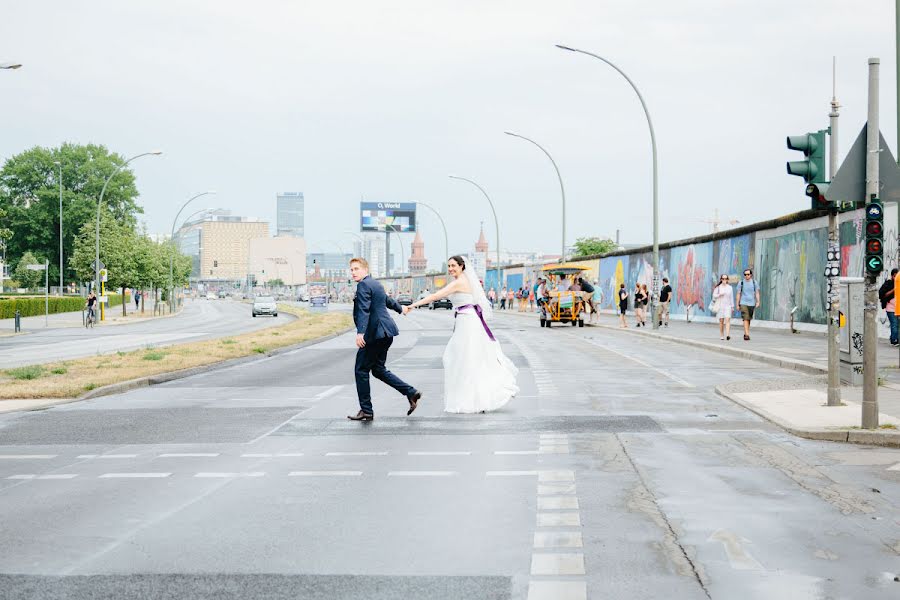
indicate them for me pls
(34, 385)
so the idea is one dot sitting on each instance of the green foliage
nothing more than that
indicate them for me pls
(28, 278)
(59, 371)
(154, 355)
(29, 372)
(29, 194)
(33, 306)
(276, 282)
(588, 246)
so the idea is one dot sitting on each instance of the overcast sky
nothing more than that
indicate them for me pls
(383, 100)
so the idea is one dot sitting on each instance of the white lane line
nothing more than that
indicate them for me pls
(555, 489)
(189, 455)
(558, 539)
(356, 454)
(50, 476)
(554, 450)
(894, 468)
(554, 476)
(422, 473)
(510, 473)
(557, 564)
(570, 519)
(674, 378)
(557, 503)
(280, 425)
(107, 456)
(226, 475)
(557, 590)
(439, 453)
(134, 475)
(269, 455)
(27, 456)
(324, 473)
(332, 390)
(516, 452)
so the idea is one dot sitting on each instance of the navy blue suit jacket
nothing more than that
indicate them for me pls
(370, 311)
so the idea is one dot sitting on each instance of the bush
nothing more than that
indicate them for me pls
(29, 372)
(33, 306)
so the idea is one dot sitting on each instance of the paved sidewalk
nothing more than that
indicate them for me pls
(75, 319)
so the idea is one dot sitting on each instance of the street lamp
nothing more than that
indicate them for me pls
(446, 245)
(10, 65)
(654, 295)
(496, 222)
(561, 188)
(59, 165)
(99, 204)
(172, 241)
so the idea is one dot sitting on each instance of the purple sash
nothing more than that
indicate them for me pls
(477, 308)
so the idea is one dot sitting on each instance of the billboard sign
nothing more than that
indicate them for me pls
(387, 216)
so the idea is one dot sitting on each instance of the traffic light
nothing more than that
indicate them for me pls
(874, 237)
(812, 145)
(818, 192)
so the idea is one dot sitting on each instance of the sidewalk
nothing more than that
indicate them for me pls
(75, 319)
(795, 404)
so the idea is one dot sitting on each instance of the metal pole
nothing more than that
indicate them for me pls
(897, 66)
(496, 224)
(561, 189)
(172, 252)
(654, 296)
(46, 291)
(870, 307)
(834, 364)
(444, 226)
(59, 164)
(387, 253)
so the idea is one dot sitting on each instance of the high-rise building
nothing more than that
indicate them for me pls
(219, 245)
(290, 214)
(372, 249)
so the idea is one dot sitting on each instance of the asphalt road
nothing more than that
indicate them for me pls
(200, 319)
(617, 473)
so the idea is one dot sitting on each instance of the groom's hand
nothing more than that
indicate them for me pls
(360, 341)
(406, 310)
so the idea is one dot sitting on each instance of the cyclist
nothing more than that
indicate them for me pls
(91, 305)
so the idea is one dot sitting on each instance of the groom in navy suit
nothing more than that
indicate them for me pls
(375, 331)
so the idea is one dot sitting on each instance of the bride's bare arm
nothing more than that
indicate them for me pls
(457, 285)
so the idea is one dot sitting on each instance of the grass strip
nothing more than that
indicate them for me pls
(71, 378)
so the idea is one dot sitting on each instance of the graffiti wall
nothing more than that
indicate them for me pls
(612, 274)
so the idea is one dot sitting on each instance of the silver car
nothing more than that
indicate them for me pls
(265, 305)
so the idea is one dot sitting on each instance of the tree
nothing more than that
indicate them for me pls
(28, 278)
(29, 193)
(276, 282)
(119, 251)
(594, 245)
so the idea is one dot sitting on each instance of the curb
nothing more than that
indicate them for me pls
(853, 436)
(132, 384)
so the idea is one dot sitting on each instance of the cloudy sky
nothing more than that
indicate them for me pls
(385, 99)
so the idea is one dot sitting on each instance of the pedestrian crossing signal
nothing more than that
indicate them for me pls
(874, 261)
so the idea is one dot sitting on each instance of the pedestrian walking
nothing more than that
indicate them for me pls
(510, 297)
(889, 303)
(531, 299)
(503, 298)
(137, 299)
(665, 296)
(638, 305)
(748, 300)
(646, 294)
(492, 296)
(723, 306)
(623, 305)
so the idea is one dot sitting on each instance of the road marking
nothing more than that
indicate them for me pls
(269, 455)
(27, 456)
(674, 378)
(894, 468)
(516, 452)
(557, 503)
(50, 476)
(422, 473)
(557, 564)
(552, 476)
(562, 519)
(554, 450)
(189, 455)
(225, 475)
(324, 473)
(557, 590)
(107, 456)
(329, 392)
(356, 454)
(739, 558)
(510, 473)
(134, 475)
(439, 453)
(554, 489)
(280, 425)
(558, 539)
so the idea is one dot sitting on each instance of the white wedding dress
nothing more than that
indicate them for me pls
(477, 375)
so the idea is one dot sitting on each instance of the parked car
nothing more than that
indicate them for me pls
(441, 303)
(222, 294)
(265, 305)
(404, 300)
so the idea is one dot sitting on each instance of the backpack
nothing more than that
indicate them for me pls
(741, 288)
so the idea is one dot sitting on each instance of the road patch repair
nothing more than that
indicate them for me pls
(37, 386)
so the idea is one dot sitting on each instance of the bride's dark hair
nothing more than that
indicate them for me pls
(459, 260)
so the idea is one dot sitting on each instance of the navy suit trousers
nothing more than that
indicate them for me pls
(371, 358)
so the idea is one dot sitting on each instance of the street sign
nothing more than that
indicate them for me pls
(102, 299)
(94, 265)
(103, 274)
(35, 267)
(848, 185)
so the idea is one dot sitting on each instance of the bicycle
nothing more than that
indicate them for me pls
(91, 318)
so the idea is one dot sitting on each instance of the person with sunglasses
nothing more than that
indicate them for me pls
(723, 300)
(748, 300)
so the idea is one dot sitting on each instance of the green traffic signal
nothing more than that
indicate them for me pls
(874, 261)
(812, 145)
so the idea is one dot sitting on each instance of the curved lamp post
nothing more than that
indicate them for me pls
(446, 245)
(172, 240)
(99, 204)
(653, 296)
(496, 222)
(562, 189)
(10, 65)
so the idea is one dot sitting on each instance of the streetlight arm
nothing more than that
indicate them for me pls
(496, 222)
(172, 252)
(444, 226)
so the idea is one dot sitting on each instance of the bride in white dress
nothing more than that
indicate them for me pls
(478, 377)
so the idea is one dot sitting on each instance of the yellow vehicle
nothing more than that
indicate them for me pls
(562, 306)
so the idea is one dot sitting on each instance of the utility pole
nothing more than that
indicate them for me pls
(834, 360)
(870, 299)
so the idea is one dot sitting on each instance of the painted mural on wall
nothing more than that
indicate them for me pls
(691, 278)
(790, 271)
(732, 256)
(612, 273)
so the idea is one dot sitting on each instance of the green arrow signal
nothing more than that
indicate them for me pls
(874, 264)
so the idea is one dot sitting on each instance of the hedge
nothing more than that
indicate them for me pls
(33, 306)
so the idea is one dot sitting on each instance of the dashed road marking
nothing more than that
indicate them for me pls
(557, 564)
(440, 453)
(324, 473)
(516, 452)
(559, 519)
(107, 456)
(551, 489)
(269, 455)
(27, 456)
(228, 475)
(356, 454)
(557, 590)
(422, 473)
(510, 473)
(49, 476)
(557, 503)
(554, 476)
(894, 468)
(558, 539)
(189, 455)
(134, 475)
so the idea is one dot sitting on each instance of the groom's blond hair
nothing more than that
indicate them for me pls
(362, 262)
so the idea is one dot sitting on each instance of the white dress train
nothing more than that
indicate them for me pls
(477, 375)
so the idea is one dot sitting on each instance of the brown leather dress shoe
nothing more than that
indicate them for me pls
(361, 416)
(413, 402)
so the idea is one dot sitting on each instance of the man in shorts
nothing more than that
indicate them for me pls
(748, 299)
(665, 296)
